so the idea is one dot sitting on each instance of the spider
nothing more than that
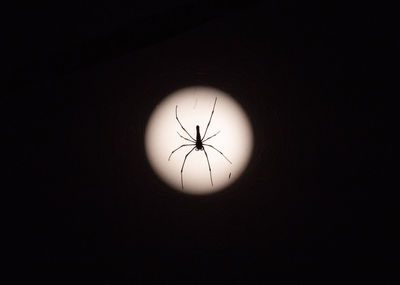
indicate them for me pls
(198, 143)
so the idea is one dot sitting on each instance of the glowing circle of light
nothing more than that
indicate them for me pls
(195, 104)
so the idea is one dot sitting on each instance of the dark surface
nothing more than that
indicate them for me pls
(82, 82)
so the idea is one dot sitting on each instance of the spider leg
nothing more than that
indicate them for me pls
(183, 164)
(219, 152)
(212, 113)
(186, 138)
(176, 115)
(209, 167)
(211, 136)
(179, 148)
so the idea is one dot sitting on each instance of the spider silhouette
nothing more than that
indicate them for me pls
(198, 143)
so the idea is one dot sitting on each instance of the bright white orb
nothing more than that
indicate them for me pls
(195, 104)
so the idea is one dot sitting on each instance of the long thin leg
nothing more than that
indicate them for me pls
(212, 113)
(211, 136)
(186, 138)
(209, 167)
(183, 164)
(179, 148)
(219, 152)
(176, 115)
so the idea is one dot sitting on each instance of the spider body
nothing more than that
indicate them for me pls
(198, 143)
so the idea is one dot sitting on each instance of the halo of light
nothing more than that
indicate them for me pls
(195, 104)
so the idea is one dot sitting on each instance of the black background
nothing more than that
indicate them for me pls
(82, 80)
